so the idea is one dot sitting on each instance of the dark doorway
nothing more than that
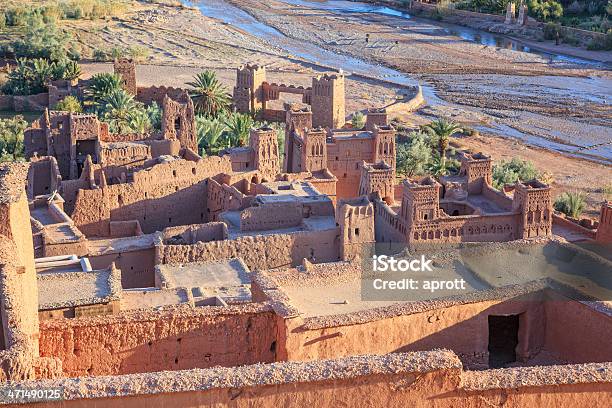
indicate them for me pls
(503, 339)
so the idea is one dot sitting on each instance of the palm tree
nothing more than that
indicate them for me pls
(209, 133)
(139, 122)
(72, 70)
(101, 86)
(438, 166)
(209, 96)
(571, 203)
(442, 130)
(238, 126)
(118, 109)
(42, 73)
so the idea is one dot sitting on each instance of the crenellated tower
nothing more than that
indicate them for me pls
(327, 100)
(377, 180)
(264, 143)
(126, 68)
(248, 92)
(355, 218)
(420, 201)
(384, 144)
(534, 200)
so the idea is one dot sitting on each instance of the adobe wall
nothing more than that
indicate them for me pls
(424, 379)
(343, 158)
(604, 231)
(271, 216)
(576, 331)
(175, 339)
(150, 94)
(137, 266)
(561, 220)
(190, 234)
(259, 251)
(172, 193)
(416, 326)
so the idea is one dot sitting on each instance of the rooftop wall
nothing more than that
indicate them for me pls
(424, 379)
(259, 251)
(174, 339)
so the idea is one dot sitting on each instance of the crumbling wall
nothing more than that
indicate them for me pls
(175, 339)
(259, 251)
(150, 94)
(171, 193)
(432, 379)
(18, 288)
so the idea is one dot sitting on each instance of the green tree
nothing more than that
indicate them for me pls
(438, 166)
(69, 104)
(358, 120)
(101, 86)
(210, 97)
(238, 129)
(441, 130)
(209, 134)
(138, 121)
(11, 138)
(42, 40)
(154, 113)
(118, 110)
(412, 158)
(571, 203)
(71, 70)
(509, 172)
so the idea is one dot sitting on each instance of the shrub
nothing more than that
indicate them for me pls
(601, 44)
(413, 158)
(571, 203)
(69, 104)
(358, 120)
(101, 56)
(545, 10)
(551, 31)
(41, 40)
(11, 138)
(513, 171)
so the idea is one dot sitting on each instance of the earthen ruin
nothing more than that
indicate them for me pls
(135, 272)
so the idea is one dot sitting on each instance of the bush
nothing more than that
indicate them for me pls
(551, 31)
(33, 76)
(358, 120)
(571, 204)
(101, 56)
(11, 138)
(41, 40)
(69, 104)
(601, 44)
(545, 10)
(513, 171)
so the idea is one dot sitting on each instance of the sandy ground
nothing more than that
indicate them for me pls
(473, 83)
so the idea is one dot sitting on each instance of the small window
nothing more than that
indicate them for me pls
(193, 171)
(424, 216)
(174, 173)
(357, 231)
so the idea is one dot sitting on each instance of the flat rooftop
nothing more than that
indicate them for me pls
(153, 298)
(103, 246)
(60, 290)
(334, 289)
(229, 280)
(313, 223)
